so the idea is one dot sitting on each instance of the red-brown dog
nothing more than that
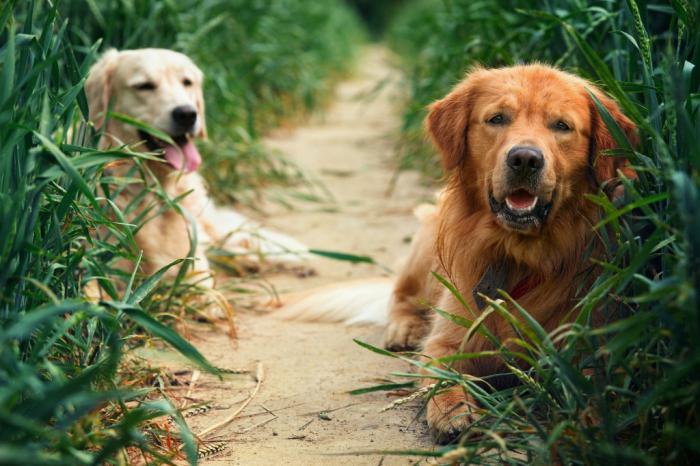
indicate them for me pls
(521, 146)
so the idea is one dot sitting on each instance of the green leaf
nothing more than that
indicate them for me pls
(65, 163)
(145, 127)
(618, 135)
(169, 335)
(149, 284)
(343, 256)
(375, 349)
(8, 67)
(382, 387)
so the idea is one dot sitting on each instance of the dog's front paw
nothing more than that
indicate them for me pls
(405, 333)
(449, 414)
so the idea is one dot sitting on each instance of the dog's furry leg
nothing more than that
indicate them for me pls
(451, 410)
(408, 314)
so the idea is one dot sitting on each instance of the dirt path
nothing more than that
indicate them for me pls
(309, 368)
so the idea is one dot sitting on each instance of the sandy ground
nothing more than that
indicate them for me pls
(302, 414)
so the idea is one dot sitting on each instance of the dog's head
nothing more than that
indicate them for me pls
(528, 141)
(159, 87)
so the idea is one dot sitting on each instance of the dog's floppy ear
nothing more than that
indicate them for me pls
(447, 123)
(605, 167)
(98, 86)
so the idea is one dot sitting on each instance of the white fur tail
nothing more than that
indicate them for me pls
(352, 303)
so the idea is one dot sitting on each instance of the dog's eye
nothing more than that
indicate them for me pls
(145, 86)
(187, 82)
(497, 120)
(561, 126)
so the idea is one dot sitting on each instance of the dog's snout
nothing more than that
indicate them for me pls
(185, 116)
(525, 160)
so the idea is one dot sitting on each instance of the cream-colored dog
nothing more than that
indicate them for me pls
(163, 89)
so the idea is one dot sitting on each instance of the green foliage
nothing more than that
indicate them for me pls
(62, 398)
(628, 392)
(266, 62)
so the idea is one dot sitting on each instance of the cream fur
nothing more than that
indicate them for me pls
(113, 81)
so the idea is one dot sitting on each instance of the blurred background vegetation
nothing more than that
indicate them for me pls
(69, 394)
(265, 63)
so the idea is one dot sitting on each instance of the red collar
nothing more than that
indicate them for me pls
(524, 286)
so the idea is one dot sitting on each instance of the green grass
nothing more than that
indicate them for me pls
(63, 399)
(266, 63)
(67, 382)
(638, 400)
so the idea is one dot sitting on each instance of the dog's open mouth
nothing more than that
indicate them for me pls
(183, 155)
(520, 210)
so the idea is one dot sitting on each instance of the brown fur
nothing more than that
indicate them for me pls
(464, 237)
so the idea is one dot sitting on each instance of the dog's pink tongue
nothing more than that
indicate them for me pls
(521, 199)
(186, 156)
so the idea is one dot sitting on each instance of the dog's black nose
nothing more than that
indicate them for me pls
(525, 160)
(185, 116)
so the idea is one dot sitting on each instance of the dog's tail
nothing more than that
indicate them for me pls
(352, 303)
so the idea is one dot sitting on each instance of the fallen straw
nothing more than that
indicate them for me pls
(409, 398)
(224, 305)
(193, 382)
(259, 376)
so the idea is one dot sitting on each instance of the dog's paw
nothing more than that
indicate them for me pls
(449, 414)
(405, 333)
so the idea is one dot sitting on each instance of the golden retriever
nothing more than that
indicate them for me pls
(521, 148)
(163, 89)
